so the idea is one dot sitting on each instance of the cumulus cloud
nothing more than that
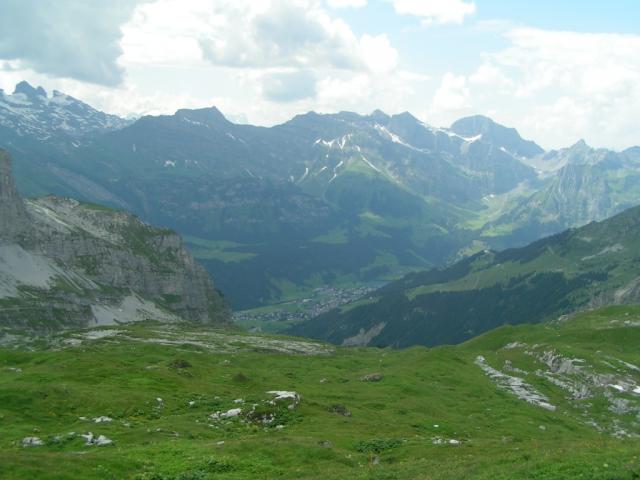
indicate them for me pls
(66, 38)
(278, 33)
(436, 11)
(347, 3)
(453, 95)
(570, 84)
(378, 54)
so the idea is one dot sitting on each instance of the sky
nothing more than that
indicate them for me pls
(558, 71)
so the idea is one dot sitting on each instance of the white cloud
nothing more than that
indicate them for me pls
(279, 49)
(436, 11)
(490, 77)
(277, 33)
(569, 85)
(453, 95)
(378, 54)
(66, 38)
(347, 3)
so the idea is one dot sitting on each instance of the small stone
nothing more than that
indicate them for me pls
(32, 442)
(372, 377)
(103, 419)
(340, 410)
(102, 441)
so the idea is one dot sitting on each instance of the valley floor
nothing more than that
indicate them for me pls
(562, 405)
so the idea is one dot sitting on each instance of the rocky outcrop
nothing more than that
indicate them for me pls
(14, 220)
(65, 263)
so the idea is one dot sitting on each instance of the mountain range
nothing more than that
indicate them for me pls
(323, 199)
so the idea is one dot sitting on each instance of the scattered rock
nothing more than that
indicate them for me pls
(515, 385)
(325, 444)
(442, 441)
(32, 442)
(512, 345)
(372, 377)
(340, 410)
(99, 441)
(103, 419)
(234, 412)
(282, 395)
(559, 364)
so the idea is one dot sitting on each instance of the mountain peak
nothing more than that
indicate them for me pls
(580, 145)
(497, 134)
(475, 125)
(379, 116)
(32, 93)
(209, 115)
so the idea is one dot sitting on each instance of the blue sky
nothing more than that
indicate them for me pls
(556, 70)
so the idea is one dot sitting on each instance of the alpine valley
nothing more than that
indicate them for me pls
(336, 202)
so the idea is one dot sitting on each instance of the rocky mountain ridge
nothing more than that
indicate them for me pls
(30, 112)
(64, 263)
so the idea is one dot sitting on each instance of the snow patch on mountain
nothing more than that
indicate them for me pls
(30, 112)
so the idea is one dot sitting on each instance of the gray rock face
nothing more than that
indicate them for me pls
(14, 220)
(90, 265)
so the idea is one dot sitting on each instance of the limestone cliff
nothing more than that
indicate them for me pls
(64, 263)
(14, 221)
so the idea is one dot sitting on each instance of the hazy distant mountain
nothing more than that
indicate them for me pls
(321, 199)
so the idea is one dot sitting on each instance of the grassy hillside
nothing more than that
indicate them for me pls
(579, 268)
(433, 414)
